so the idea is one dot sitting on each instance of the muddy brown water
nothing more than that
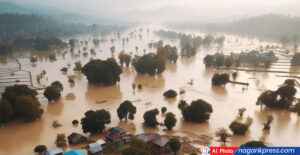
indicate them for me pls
(21, 138)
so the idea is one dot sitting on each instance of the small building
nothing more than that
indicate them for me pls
(95, 149)
(102, 143)
(76, 138)
(116, 134)
(156, 143)
(55, 151)
(74, 152)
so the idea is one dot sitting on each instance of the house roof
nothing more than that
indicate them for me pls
(116, 130)
(54, 151)
(75, 137)
(94, 147)
(100, 141)
(161, 140)
(74, 152)
(143, 137)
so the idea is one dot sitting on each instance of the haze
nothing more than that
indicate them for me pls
(146, 10)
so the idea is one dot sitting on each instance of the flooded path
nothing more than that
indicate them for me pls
(21, 138)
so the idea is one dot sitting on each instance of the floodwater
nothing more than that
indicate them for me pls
(18, 138)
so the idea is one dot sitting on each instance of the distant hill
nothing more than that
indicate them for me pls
(280, 27)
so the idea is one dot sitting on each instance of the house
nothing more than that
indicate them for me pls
(102, 143)
(55, 151)
(156, 143)
(116, 134)
(95, 149)
(76, 138)
(74, 152)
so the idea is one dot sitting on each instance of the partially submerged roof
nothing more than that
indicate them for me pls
(94, 147)
(54, 151)
(100, 141)
(161, 140)
(116, 130)
(75, 137)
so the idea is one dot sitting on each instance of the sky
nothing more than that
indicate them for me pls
(187, 9)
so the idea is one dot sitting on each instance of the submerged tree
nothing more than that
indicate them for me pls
(150, 118)
(175, 144)
(269, 121)
(242, 111)
(125, 110)
(7, 112)
(220, 79)
(170, 120)
(240, 128)
(58, 86)
(105, 72)
(124, 58)
(149, 63)
(223, 134)
(170, 93)
(198, 111)
(52, 94)
(95, 121)
(296, 59)
(254, 144)
(209, 60)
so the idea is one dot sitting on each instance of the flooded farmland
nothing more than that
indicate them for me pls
(20, 138)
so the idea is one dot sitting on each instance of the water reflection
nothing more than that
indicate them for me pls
(150, 83)
(102, 93)
(219, 90)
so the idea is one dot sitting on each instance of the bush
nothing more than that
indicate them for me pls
(198, 111)
(102, 72)
(220, 79)
(254, 143)
(40, 149)
(170, 121)
(163, 110)
(240, 128)
(150, 118)
(74, 122)
(52, 94)
(126, 110)
(296, 59)
(170, 93)
(52, 57)
(61, 140)
(64, 69)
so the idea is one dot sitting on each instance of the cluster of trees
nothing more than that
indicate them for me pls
(149, 63)
(52, 92)
(126, 110)
(219, 60)
(19, 101)
(95, 121)
(198, 111)
(106, 72)
(137, 146)
(124, 58)
(38, 43)
(282, 98)
(150, 118)
(168, 52)
(170, 120)
(220, 79)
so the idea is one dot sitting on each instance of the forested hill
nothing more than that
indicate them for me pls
(280, 27)
(29, 26)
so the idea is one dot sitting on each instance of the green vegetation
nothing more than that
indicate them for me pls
(136, 147)
(242, 111)
(170, 120)
(174, 144)
(223, 135)
(61, 140)
(220, 79)
(19, 101)
(58, 86)
(52, 94)
(163, 110)
(149, 63)
(78, 66)
(95, 121)
(105, 72)
(199, 111)
(254, 143)
(126, 110)
(170, 93)
(282, 98)
(74, 122)
(40, 149)
(240, 128)
(209, 60)
(269, 121)
(150, 118)
(168, 52)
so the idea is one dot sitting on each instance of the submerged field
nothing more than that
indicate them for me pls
(20, 138)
